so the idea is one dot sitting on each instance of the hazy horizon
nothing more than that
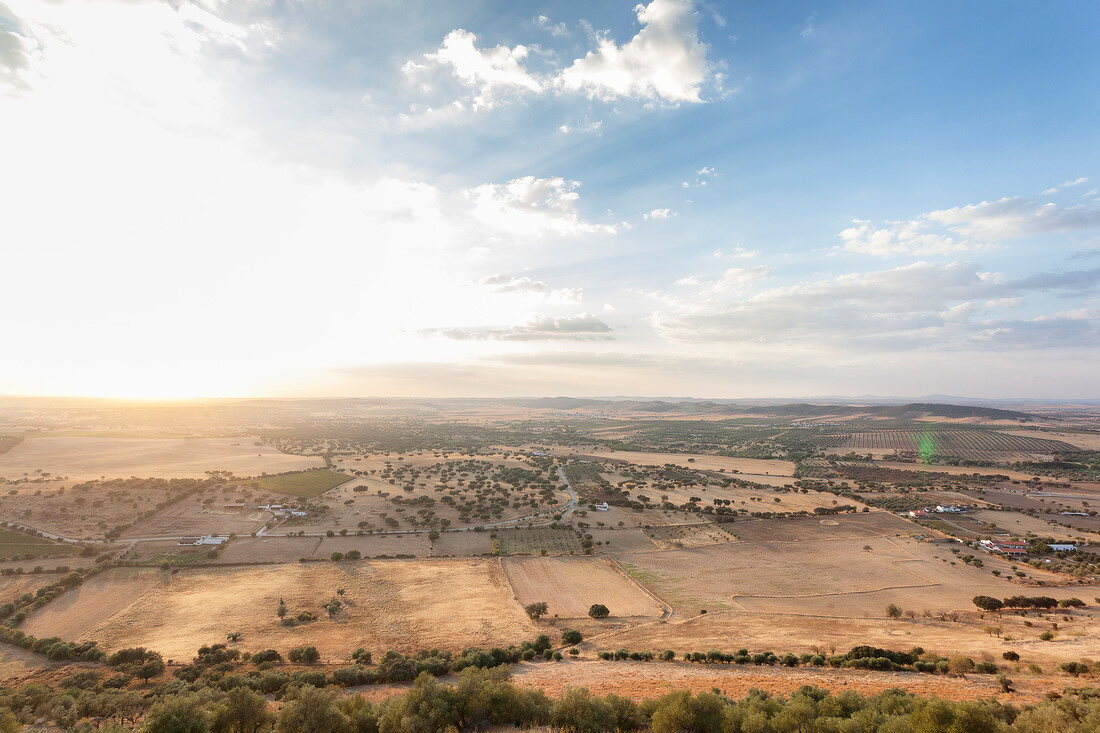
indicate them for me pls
(212, 200)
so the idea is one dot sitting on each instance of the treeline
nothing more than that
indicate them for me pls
(14, 612)
(860, 657)
(989, 603)
(482, 698)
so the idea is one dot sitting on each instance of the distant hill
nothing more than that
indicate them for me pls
(794, 410)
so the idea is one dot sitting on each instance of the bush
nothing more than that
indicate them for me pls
(304, 655)
(267, 655)
(598, 610)
(571, 636)
(988, 603)
(1011, 656)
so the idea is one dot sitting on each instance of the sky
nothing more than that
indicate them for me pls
(675, 198)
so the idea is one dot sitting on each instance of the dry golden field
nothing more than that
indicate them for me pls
(388, 604)
(83, 458)
(571, 585)
(703, 462)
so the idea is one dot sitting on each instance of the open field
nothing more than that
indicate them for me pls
(839, 577)
(83, 458)
(840, 526)
(702, 462)
(642, 680)
(1019, 524)
(192, 517)
(14, 543)
(571, 585)
(536, 540)
(303, 484)
(388, 604)
(695, 552)
(690, 535)
(462, 543)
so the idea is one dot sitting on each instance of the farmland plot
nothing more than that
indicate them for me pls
(387, 604)
(537, 540)
(961, 443)
(690, 535)
(85, 458)
(571, 585)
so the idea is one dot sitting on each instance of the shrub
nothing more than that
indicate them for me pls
(598, 610)
(1011, 656)
(304, 654)
(988, 603)
(571, 636)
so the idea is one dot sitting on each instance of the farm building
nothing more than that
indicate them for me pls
(1063, 547)
(204, 540)
(1004, 547)
(602, 506)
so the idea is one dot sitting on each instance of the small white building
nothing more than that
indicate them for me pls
(1063, 547)
(602, 506)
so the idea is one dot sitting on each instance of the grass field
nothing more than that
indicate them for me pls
(306, 484)
(17, 543)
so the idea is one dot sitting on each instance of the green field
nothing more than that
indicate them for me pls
(306, 484)
(17, 543)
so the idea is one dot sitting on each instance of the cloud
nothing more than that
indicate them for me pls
(488, 72)
(808, 29)
(897, 237)
(922, 305)
(968, 227)
(701, 176)
(556, 29)
(522, 285)
(15, 50)
(583, 327)
(659, 214)
(532, 207)
(565, 129)
(739, 253)
(1015, 217)
(664, 62)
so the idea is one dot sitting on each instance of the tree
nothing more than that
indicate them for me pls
(571, 636)
(183, 714)
(281, 610)
(893, 611)
(988, 603)
(598, 610)
(313, 711)
(241, 711)
(536, 610)
(150, 669)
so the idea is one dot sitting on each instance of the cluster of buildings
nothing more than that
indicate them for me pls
(282, 510)
(1016, 547)
(938, 509)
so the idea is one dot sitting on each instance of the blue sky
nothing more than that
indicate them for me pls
(673, 198)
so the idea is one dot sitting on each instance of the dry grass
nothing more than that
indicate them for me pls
(571, 585)
(389, 604)
(84, 458)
